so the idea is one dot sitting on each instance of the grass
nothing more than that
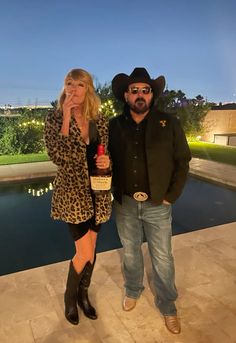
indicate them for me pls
(27, 158)
(207, 151)
(214, 152)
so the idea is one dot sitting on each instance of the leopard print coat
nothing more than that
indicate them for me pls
(71, 200)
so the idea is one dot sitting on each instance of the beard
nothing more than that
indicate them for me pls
(140, 106)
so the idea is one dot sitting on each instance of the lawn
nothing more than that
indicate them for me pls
(14, 159)
(214, 152)
(207, 151)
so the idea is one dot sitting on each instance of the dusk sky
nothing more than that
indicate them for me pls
(191, 43)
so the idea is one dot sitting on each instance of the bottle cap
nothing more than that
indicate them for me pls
(100, 150)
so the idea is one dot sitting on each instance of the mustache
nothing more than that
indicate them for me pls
(140, 100)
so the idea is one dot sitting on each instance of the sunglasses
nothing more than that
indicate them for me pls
(143, 90)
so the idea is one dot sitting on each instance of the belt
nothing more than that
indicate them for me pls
(139, 196)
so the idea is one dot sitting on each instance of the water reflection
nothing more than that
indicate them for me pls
(39, 191)
(35, 188)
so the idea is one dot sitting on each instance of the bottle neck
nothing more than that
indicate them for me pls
(100, 150)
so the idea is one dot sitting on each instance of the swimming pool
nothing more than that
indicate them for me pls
(30, 238)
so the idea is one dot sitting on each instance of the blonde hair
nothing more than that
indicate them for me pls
(92, 102)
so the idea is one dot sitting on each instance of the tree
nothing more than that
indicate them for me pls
(54, 104)
(105, 93)
(191, 112)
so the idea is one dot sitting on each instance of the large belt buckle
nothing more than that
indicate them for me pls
(140, 196)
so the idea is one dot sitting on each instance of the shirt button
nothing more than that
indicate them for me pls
(136, 143)
(135, 171)
(135, 185)
(135, 157)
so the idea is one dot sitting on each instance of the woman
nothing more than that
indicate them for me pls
(72, 133)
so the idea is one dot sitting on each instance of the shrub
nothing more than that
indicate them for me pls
(9, 141)
(30, 136)
(22, 137)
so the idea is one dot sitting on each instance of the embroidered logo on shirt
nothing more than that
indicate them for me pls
(163, 123)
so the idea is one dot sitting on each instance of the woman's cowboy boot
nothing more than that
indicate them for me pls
(70, 296)
(83, 300)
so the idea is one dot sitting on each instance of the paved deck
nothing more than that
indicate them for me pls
(31, 301)
(220, 173)
(32, 308)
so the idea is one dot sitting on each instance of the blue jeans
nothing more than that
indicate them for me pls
(133, 219)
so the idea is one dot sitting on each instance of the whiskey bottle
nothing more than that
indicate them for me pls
(100, 179)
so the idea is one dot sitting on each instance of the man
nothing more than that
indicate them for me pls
(150, 159)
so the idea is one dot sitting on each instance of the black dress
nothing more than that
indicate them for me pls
(79, 230)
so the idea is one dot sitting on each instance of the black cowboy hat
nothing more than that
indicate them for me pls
(121, 82)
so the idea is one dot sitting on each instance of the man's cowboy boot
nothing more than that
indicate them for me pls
(172, 324)
(128, 303)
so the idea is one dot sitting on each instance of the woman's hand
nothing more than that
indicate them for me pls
(66, 108)
(103, 162)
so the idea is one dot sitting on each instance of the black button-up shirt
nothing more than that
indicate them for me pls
(136, 175)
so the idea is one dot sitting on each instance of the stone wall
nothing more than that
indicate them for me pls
(218, 122)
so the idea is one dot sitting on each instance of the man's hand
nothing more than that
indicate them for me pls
(165, 202)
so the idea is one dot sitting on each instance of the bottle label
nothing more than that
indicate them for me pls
(100, 183)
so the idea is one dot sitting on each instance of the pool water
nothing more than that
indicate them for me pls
(30, 238)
